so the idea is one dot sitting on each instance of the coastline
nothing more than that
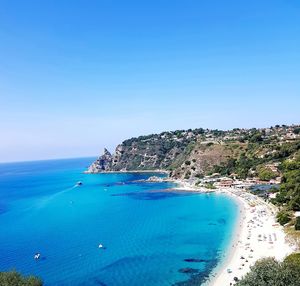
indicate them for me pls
(214, 277)
(128, 172)
(259, 236)
(255, 236)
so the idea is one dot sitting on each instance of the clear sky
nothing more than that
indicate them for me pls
(76, 76)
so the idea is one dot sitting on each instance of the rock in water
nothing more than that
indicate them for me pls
(188, 270)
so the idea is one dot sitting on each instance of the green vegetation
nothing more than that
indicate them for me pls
(252, 160)
(240, 166)
(199, 176)
(269, 272)
(265, 174)
(187, 175)
(297, 224)
(283, 217)
(293, 259)
(209, 186)
(13, 278)
(289, 192)
(256, 137)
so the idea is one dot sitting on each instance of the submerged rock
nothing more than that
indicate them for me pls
(194, 260)
(188, 270)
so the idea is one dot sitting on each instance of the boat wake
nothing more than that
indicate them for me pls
(48, 199)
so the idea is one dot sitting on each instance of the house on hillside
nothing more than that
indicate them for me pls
(225, 183)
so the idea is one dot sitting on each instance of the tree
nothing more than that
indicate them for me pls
(13, 278)
(263, 273)
(297, 130)
(266, 174)
(256, 138)
(270, 272)
(293, 259)
(283, 217)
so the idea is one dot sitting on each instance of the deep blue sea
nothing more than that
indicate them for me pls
(148, 231)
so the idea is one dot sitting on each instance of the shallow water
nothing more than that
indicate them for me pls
(152, 236)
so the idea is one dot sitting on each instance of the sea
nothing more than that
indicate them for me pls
(150, 233)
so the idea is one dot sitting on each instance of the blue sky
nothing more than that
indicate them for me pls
(76, 76)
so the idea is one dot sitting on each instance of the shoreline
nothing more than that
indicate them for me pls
(216, 276)
(127, 172)
(230, 249)
(259, 236)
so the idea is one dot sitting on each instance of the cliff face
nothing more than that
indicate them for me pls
(102, 164)
(194, 153)
(151, 152)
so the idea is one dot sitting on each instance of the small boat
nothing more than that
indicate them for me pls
(79, 183)
(37, 256)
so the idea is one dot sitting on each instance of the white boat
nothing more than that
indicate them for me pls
(101, 246)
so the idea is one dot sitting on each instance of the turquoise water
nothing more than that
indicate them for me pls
(147, 230)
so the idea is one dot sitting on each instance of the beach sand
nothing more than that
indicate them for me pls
(257, 235)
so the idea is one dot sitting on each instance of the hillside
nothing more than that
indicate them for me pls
(194, 153)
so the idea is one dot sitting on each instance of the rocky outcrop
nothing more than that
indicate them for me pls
(102, 164)
(153, 152)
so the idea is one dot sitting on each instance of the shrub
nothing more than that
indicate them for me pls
(187, 175)
(270, 272)
(293, 258)
(297, 130)
(283, 217)
(209, 186)
(289, 192)
(265, 174)
(199, 176)
(297, 224)
(13, 278)
(263, 273)
(256, 138)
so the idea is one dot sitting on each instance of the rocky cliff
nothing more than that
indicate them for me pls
(102, 164)
(152, 152)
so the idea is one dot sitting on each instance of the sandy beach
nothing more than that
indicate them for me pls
(257, 235)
